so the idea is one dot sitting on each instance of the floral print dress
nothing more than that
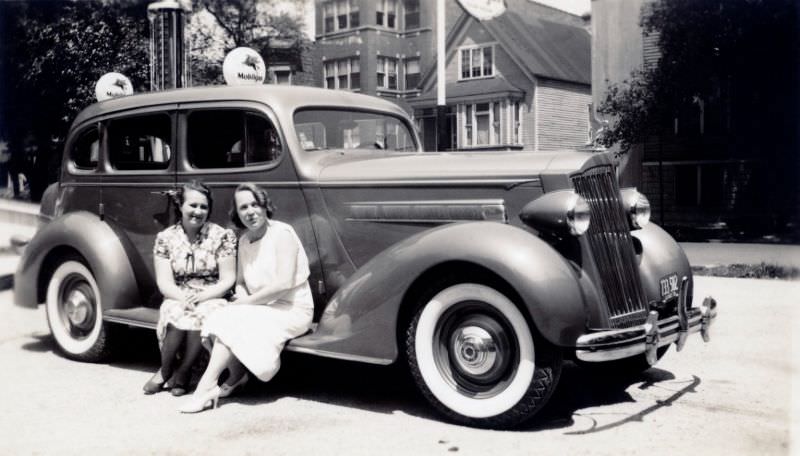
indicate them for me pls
(195, 265)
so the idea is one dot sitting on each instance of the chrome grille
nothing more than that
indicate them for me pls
(612, 247)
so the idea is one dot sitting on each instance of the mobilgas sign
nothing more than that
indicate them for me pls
(112, 85)
(243, 66)
(484, 9)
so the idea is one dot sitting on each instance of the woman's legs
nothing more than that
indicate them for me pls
(173, 338)
(221, 358)
(190, 353)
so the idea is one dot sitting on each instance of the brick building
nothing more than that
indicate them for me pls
(521, 80)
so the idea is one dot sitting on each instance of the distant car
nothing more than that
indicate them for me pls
(482, 271)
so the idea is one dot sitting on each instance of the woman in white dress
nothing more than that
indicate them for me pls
(273, 301)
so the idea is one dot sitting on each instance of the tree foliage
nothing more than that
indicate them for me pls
(234, 23)
(53, 54)
(742, 52)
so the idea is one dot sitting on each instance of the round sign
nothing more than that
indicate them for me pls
(484, 10)
(244, 66)
(112, 85)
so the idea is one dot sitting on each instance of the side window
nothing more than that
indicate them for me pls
(231, 139)
(86, 149)
(141, 142)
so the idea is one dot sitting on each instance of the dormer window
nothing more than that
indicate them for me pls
(476, 62)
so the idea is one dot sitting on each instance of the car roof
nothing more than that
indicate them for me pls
(283, 97)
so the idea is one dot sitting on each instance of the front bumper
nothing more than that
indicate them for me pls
(648, 337)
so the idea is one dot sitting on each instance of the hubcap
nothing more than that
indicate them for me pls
(475, 350)
(78, 306)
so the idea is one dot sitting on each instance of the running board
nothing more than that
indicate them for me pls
(141, 317)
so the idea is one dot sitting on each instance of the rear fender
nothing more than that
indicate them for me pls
(94, 240)
(361, 320)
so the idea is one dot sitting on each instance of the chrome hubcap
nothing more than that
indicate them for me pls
(475, 350)
(77, 307)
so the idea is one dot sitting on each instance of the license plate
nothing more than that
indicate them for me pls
(669, 286)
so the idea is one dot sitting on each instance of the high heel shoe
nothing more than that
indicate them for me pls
(155, 384)
(200, 400)
(226, 390)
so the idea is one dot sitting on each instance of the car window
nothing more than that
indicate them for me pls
(231, 138)
(141, 142)
(86, 149)
(352, 129)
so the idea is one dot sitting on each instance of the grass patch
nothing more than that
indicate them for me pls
(749, 271)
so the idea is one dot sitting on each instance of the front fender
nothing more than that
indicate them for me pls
(660, 256)
(361, 319)
(93, 239)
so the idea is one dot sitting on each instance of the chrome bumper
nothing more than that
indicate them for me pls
(648, 337)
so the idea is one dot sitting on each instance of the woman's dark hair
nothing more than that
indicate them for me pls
(180, 195)
(262, 199)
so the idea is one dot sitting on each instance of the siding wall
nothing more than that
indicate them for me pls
(562, 114)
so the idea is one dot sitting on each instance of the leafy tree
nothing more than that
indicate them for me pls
(219, 26)
(741, 54)
(53, 54)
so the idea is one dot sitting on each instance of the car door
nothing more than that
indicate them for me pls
(223, 145)
(139, 178)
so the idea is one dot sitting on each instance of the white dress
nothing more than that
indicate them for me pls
(256, 333)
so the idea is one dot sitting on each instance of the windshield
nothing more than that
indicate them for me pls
(349, 129)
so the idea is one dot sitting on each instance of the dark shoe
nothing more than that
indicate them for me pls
(155, 384)
(178, 389)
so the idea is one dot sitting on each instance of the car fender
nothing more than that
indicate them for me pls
(660, 256)
(96, 241)
(361, 319)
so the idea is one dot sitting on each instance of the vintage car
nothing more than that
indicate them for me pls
(482, 271)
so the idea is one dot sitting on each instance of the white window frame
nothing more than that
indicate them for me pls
(351, 6)
(476, 48)
(468, 116)
(334, 64)
(382, 6)
(281, 69)
(382, 67)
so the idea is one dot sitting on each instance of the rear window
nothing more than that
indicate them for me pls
(140, 143)
(352, 129)
(231, 139)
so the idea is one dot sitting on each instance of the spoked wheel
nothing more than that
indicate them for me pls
(474, 357)
(74, 312)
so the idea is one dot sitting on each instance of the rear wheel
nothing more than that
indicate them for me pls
(475, 358)
(74, 312)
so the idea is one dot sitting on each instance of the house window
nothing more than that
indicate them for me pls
(412, 14)
(386, 13)
(340, 15)
(484, 123)
(281, 74)
(477, 62)
(411, 73)
(387, 73)
(342, 74)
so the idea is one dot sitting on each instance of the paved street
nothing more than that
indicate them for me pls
(733, 396)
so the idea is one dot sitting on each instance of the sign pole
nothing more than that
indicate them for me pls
(441, 103)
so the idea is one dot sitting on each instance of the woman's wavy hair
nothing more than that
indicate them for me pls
(178, 197)
(261, 196)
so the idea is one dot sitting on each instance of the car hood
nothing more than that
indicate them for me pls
(359, 165)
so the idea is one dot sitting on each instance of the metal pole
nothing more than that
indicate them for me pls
(441, 102)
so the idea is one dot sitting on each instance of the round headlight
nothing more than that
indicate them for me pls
(578, 216)
(637, 206)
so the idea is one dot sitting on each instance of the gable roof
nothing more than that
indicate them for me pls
(541, 47)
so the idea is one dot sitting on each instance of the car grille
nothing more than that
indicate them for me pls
(612, 247)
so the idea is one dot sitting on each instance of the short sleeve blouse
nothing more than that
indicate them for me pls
(196, 259)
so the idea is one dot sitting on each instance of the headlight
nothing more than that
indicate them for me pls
(637, 207)
(561, 212)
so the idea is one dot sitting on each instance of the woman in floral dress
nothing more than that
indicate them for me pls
(195, 265)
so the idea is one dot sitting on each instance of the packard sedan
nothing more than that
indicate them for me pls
(482, 272)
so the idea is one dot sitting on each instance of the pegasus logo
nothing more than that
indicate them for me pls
(251, 61)
(120, 83)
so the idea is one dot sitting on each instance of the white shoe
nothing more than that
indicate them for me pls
(226, 390)
(199, 401)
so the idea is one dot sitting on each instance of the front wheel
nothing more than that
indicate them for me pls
(475, 358)
(74, 312)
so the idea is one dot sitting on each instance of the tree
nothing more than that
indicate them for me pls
(53, 54)
(219, 26)
(739, 54)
